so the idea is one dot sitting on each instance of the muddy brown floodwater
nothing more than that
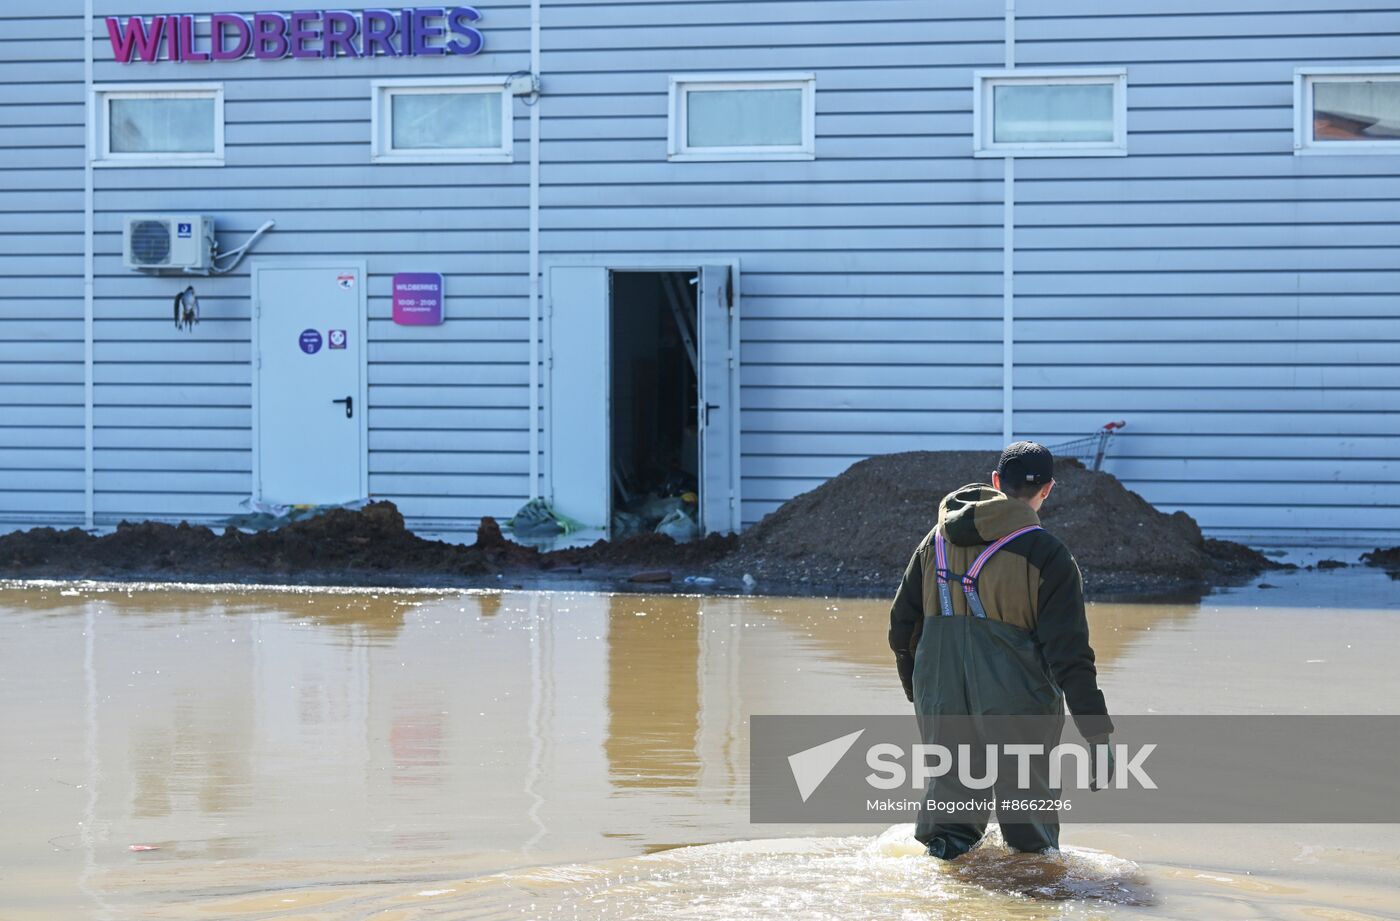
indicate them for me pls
(240, 754)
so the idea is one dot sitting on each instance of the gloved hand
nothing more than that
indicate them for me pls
(904, 661)
(1101, 749)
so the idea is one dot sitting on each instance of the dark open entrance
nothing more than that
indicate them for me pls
(655, 404)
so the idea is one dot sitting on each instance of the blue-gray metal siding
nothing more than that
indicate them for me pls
(1238, 305)
(871, 293)
(447, 405)
(41, 263)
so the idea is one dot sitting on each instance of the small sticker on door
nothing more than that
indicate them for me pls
(345, 280)
(310, 341)
(335, 339)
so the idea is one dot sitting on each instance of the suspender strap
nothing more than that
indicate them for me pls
(969, 581)
(945, 593)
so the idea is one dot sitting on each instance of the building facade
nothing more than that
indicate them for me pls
(864, 228)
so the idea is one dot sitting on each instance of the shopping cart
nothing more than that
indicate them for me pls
(1090, 450)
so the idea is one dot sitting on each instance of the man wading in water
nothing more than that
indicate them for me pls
(989, 619)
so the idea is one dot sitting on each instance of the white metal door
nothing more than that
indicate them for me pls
(719, 404)
(579, 398)
(309, 383)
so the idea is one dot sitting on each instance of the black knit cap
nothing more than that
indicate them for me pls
(1026, 462)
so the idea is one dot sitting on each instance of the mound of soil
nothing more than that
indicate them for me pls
(372, 540)
(862, 526)
(646, 551)
(642, 551)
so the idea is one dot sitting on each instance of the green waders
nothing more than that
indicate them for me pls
(970, 666)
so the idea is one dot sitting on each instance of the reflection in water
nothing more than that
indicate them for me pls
(378, 612)
(653, 692)
(416, 746)
(857, 632)
(283, 750)
(488, 603)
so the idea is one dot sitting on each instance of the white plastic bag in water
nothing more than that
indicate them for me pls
(678, 526)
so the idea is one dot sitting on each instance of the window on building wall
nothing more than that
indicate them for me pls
(1050, 113)
(159, 124)
(1346, 110)
(742, 117)
(441, 121)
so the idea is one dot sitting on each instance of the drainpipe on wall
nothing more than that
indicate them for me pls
(89, 148)
(1010, 34)
(534, 267)
(1008, 253)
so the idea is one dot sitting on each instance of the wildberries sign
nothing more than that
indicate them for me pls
(417, 32)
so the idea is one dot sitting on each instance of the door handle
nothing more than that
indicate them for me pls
(708, 407)
(349, 406)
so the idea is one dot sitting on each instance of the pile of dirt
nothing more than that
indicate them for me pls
(861, 527)
(646, 551)
(494, 552)
(337, 542)
(373, 538)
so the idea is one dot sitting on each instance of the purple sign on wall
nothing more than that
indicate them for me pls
(418, 298)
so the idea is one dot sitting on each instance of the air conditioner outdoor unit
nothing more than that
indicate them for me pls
(182, 242)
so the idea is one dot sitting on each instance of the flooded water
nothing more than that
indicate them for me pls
(259, 754)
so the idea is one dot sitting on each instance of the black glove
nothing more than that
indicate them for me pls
(1099, 744)
(904, 661)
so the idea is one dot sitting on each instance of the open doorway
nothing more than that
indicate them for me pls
(622, 383)
(655, 404)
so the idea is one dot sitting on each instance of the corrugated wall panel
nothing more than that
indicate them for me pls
(298, 152)
(871, 276)
(1237, 304)
(42, 465)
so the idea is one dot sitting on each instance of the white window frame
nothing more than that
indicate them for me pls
(382, 121)
(1304, 78)
(101, 134)
(677, 150)
(984, 81)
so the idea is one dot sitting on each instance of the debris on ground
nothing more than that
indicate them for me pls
(372, 540)
(1385, 559)
(647, 551)
(537, 518)
(651, 575)
(853, 534)
(267, 516)
(674, 516)
(671, 508)
(679, 526)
